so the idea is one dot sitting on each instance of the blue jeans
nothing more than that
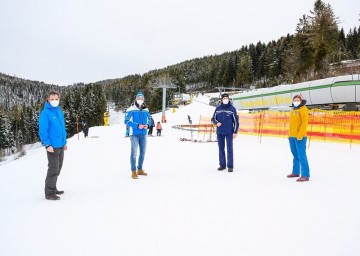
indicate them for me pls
(136, 141)
(221, 138)
(300, 162)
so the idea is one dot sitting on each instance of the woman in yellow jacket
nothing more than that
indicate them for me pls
(299, 117)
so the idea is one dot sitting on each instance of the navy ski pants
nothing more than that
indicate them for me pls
(221, 138)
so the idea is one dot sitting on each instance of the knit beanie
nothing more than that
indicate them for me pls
(140, 95)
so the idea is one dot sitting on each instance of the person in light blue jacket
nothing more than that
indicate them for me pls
(53, 136)
(137, 118)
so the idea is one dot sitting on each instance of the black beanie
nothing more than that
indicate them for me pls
(224, 95)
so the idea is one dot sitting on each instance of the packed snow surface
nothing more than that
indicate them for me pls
(184, 206)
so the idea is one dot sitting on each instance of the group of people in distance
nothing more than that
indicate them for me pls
(138, 120)
(151, 127)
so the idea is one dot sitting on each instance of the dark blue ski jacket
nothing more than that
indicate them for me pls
(227, 115)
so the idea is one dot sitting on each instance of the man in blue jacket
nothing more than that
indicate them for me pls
(53, 136)
(137, 118)
(227, 121)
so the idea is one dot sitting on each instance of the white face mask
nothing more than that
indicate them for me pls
(139, 102)
(225, 101)
(296, 103)
(54, 103)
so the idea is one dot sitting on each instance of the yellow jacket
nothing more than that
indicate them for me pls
(299, 118)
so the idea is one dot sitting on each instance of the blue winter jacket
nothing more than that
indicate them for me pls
(226, 114)
(135, 116)
(52, 127)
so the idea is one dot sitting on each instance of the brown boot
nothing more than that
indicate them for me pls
(301, 179)
(134, 175)
(141, 172)
(292, 175)
(52, 197)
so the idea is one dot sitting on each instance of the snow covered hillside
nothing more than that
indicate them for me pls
(184, 206)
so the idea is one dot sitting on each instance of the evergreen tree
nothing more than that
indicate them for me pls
(3, 131)
(340, 53)
(353, 43)
(7, 140)
(244, 71)
(316, 38)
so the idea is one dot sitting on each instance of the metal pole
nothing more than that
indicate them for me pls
(77, 127)
(163, 118)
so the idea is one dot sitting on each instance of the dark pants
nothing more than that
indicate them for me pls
(55, 162)
(229, 145)
(158, 133)
(150, 130)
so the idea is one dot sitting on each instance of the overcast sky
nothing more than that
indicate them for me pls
(69, 41)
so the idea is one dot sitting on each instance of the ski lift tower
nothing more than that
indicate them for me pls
(164, 86)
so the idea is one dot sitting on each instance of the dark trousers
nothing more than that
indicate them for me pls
(150, 130)
(158, 133)
(55, 162)
(221, 138)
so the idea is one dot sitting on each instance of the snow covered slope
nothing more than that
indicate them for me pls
(184, 206)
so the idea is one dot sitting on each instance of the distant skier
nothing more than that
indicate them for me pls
(137, 118)
(158, 129)
(227, 121)
(189, 119)
(53, 136)
(151, 127)
(299, 118)
(85, 130)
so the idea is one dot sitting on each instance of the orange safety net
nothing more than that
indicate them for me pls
(325, 125)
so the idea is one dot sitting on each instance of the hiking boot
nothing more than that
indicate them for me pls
(230, 169)
(134, 175)
(52, 197)
(303, 179)
(221, 168)
(293, 175)
(141, 172)
(60, 192)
